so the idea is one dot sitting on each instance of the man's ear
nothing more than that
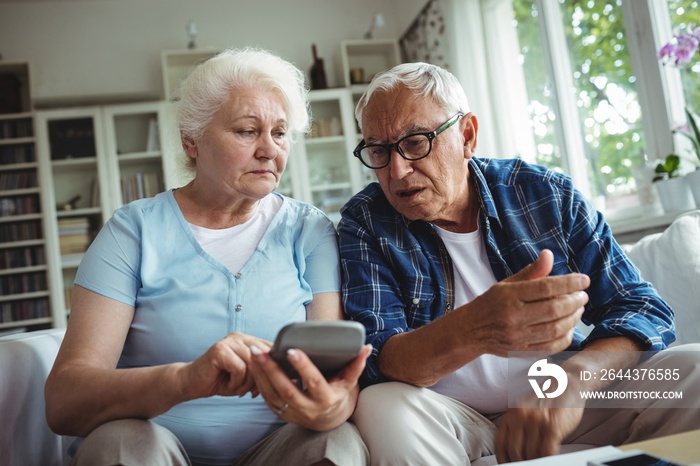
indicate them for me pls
(188, 145)
(470, 129)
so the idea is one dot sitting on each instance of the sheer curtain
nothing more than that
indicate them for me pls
(451, 34)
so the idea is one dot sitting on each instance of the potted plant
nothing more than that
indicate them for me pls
(673, 189)
(667, 169)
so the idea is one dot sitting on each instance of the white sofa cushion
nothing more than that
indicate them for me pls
(671, 262)
(25, 437)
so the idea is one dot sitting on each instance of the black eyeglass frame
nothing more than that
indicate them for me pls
(390, 147)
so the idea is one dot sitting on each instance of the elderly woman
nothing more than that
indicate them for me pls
(178, 297)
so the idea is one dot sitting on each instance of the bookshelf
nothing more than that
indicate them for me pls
(99, 158)
(75, 190)
(362, 59)
(176, 64)
(24, 265)
(134, 150)
(329, 174)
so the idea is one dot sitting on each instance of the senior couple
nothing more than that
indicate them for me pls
(451, 262)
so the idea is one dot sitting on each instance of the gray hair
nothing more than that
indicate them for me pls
(208, 86)
(425, 80)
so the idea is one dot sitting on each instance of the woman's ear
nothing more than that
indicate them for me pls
(470, 129)
(188, 145)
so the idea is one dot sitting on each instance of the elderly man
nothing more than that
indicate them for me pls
(451, 262)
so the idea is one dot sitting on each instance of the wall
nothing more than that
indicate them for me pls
(101, 48)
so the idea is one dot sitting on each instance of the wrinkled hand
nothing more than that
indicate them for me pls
(224, 369)
(529, 311)
(322, 404)
(537, 429)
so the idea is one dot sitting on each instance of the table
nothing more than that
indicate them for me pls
(683, 447)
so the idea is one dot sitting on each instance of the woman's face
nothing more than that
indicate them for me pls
(244, 149)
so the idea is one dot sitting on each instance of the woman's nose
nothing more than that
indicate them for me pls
(267, 147)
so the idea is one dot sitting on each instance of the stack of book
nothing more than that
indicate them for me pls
(141, 185)
(73, 234)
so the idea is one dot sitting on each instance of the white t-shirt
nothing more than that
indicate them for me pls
(482, 383)
(220, 244)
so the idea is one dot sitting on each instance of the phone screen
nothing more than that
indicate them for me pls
(640, 460)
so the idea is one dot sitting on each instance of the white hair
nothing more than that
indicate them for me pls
(209, 85)
(422, 78)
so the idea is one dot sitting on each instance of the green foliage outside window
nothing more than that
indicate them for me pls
(606, 95)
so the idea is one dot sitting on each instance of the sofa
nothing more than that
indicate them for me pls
(25, 438)
(670, 260)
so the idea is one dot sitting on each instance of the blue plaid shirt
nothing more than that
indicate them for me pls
(397, 275)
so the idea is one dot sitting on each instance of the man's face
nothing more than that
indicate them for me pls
(434, 188)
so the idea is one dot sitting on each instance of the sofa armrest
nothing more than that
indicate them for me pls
(25, 437)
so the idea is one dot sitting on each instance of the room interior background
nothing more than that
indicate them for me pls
(97, 48)
(98, 63)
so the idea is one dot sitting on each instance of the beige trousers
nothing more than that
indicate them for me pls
(406, 425)
(135, 442)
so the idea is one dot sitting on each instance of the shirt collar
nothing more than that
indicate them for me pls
(488, 208)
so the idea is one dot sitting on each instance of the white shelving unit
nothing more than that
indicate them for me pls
(24, 265)
(134, 150)
(98, 158)
(75, 191)
(371, 56)
(329, 173)
(176, 64)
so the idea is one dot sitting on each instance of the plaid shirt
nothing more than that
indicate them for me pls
(397, 275)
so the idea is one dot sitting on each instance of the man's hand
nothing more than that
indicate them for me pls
(536, 430)
(539, 314)
(529, 311)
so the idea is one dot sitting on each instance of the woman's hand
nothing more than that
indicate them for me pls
(321, 404)
(224, 369)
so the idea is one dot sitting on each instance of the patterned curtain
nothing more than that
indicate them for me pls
(425, 39)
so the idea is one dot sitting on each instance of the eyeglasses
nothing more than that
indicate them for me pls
(412, 147)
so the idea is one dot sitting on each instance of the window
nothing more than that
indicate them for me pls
(684, 13)
(588, 112)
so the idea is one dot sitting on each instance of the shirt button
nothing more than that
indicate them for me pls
(238, 308)
(239, 275)
(416, 300)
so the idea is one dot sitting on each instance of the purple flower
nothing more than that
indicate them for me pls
(666, 51)
(682, 48)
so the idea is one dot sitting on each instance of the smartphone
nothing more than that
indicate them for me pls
(330, 344)
(633, 458)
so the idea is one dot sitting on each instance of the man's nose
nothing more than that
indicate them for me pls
(398, 166)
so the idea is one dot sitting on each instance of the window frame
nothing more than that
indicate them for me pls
(659, 88)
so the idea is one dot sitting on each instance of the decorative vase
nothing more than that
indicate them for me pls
(648, 198)
(694, 182)
(675, 194)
